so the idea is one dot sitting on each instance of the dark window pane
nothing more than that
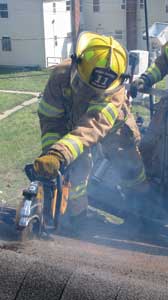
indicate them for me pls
(96, 5)
(3, 10)
(3, 6)
(6, 44)
(3, 14)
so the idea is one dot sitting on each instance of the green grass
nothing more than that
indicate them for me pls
(8, 101)
(143, 111)
(20, 144)
(161, 84)
(34, 81)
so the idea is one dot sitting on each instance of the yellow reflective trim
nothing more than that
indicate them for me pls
(166, 51)
(49, 110)
(67, 92)
(76, 139)
(50, 134)
(70, 147)
(49, 138)
(154, 70)
(108, 110)
(78, 191)
(76, 196)
(79, 187)
(109, 116)
(73, 143)
(140, 178)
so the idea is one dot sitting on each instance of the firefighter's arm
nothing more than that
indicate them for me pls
(51, 115)
(159, 68)
(92, 127)
(152, 75)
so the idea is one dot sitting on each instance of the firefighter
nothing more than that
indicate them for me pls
(153, 74)
(151, 144)
(84, 102)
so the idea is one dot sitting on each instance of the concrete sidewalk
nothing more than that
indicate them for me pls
(21, 92)
(33, 100)
(18, 107)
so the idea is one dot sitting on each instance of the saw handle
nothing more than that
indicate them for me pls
(33, 176)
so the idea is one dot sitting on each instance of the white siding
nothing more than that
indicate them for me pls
(58, 25)
(112, 18)
(156, 13)
(24, 26)
(33, 25)
(109, 20)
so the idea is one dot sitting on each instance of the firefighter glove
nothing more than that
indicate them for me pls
(142, 84)
(48, 165)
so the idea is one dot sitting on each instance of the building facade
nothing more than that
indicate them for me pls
(43, 32)
(124, 19)
(21, 32)
(34, 32)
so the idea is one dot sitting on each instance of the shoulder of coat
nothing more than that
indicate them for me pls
(62, 69)
(164, 48)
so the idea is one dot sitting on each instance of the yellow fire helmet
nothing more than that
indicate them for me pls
(100, 61)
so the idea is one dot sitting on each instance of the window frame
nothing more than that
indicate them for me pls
(81, 5)
(68, 5)
(4, 11)
(123, 4)
(54, 7)
(6, 45)
(96, 6)
(166, 8)
(141, 4)
(118, 34)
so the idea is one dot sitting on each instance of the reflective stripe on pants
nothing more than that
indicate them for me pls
(79, 172)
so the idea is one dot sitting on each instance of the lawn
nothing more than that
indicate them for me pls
(143, 111)
(8, 101)
(34, 81)
(20, 144)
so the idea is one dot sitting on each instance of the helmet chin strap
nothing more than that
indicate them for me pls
(75, 59)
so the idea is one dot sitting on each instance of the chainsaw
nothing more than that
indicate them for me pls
(43, 203)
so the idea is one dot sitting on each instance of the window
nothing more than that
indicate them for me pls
(69, 34)
(81, 5)
(6, 43)
(96, 5)
(3, 10)
(68, 5)
(118, 34)
(55, 40)
(166, 8)
(141, 4)
(123, 4)
(54, 7)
